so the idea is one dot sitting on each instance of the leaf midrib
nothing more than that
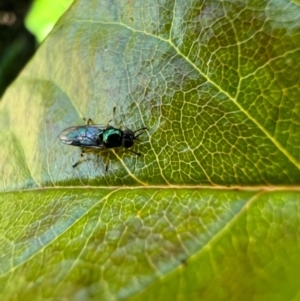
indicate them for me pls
(257, 188)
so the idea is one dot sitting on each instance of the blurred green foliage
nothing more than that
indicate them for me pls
(43, 16)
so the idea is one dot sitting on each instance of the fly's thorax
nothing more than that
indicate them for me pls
(112, 137)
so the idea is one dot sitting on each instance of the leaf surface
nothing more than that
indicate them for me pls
(211, 208)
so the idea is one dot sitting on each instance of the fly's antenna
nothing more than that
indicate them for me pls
(140, 130)
(135, 137)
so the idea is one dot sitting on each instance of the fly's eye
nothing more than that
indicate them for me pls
(127, 142)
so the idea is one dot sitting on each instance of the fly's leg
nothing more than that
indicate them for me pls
(114, 112)
(89, 121)
(103, 159)
(129, 150)
(106, 164)
(81, 159)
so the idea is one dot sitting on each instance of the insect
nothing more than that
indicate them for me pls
(97, 138)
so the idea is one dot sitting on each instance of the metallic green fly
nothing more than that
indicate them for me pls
(95, 137)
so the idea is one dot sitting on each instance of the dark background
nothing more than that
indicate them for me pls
(17, 44)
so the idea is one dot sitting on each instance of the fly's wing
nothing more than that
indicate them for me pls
(84, 136)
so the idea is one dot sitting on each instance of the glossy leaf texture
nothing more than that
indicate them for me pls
(210, 210)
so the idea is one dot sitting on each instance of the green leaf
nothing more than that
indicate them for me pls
(210, 210)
